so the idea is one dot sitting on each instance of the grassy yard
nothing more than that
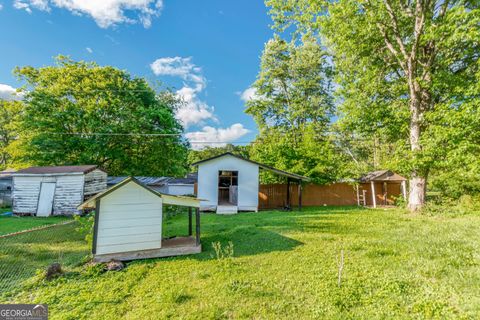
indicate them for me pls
(285, 265)
(15, 224)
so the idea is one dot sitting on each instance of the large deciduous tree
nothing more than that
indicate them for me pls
(83, 113)
(9, 112)
(292, 107)
(407, 68)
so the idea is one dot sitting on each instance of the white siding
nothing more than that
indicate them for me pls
(95, 182)
(68, 194)
(130, 219)
(25, 194)
(180, 189)
(247, 182)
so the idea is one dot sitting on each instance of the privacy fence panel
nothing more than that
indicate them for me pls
(272, 196)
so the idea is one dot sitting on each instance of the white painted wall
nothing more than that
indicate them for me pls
(180, 189)
(25, 194)
(95, 182)
(130, 219)
(176, 189)
(68, 193)
(247, 182)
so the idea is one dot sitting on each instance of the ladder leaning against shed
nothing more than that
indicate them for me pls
(361, 197)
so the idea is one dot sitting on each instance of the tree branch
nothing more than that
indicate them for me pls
(391, 48)
(396, 31)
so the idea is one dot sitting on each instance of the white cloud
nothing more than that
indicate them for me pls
(106, 13)
(89, 50)
(1, 6)
(9, 93)
(193, 110)
(217, 137)
(27, 5)
(178, 67)
(248, 94)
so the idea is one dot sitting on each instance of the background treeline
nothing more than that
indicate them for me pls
(345, 87)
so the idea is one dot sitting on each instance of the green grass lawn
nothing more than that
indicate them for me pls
(285, 265)
(15, 224)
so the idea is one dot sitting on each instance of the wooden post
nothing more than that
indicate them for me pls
(358, 195)
(299, 195)
(374, 200)
(404, 190)
(288, 194)
(197, 226)
(190, 231)
(385, 193)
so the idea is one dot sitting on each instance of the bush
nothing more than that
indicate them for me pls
(85, 226)
(466, 204)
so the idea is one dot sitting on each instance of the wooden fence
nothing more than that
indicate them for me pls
(273, 196)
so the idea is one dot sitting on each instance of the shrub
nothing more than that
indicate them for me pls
(85, 226)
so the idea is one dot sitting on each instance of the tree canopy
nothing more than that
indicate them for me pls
(407, 72)
(292, 107)
(83, 113)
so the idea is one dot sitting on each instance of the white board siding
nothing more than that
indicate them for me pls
(130, 219)
(25, 194)
(70, 191)
(180, 189)
(95, 182)
(248, 183)
(68, 194)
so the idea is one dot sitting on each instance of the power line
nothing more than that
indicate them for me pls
(115, 134)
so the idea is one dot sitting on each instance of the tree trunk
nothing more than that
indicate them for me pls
(416, 198)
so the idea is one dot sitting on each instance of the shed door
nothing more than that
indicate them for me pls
(45, 201)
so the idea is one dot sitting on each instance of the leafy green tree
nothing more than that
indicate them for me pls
(9, 112)
(406, 69)
(292, 107)
(209, 152)
(82, 113)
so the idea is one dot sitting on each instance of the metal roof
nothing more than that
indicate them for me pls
(168, 199)
(382, 176)
(149, 181)
(261, 165)
(57, 169)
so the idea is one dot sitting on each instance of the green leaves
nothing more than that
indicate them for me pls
(397, 64)
(81, 113)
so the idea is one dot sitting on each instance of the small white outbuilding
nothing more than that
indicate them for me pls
(230, 183)
(128, 223)
(57, 190)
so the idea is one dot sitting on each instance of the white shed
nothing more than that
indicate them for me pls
(128, 223)
(230, 183)
(43, 191)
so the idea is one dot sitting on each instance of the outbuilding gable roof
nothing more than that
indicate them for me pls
(57, 169)
(382, 176)
(261, 165)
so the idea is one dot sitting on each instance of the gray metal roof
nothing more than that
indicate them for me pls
(149, 181)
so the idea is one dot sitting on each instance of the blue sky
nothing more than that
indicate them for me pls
(208, 51)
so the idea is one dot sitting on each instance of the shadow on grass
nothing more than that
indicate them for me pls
(258, 233)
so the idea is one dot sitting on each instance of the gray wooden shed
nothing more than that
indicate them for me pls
(59, 190)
